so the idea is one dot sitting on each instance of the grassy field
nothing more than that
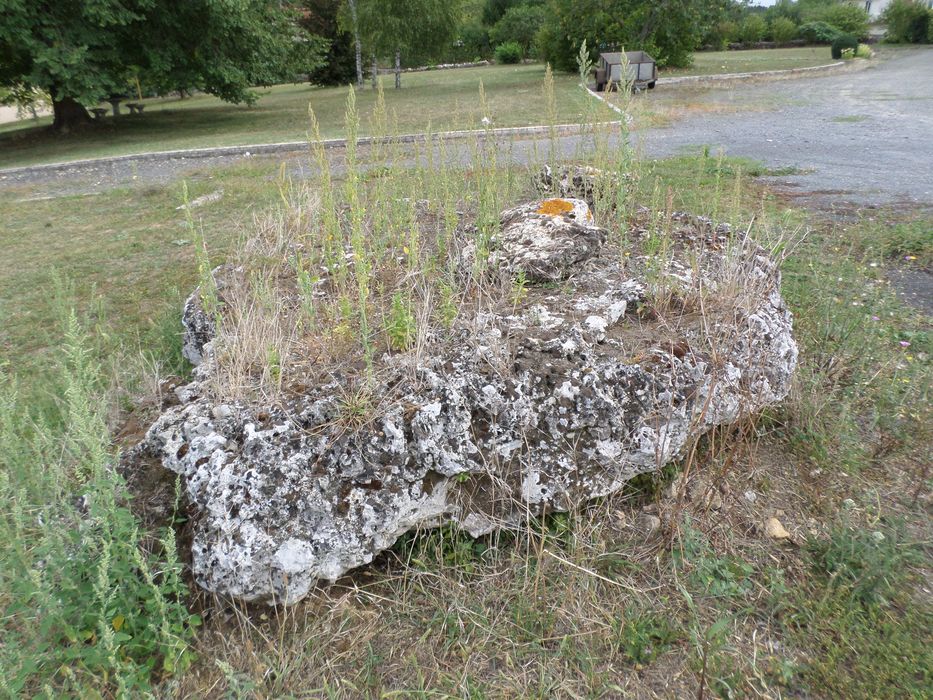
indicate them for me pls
(580, 605)
(718, 62)
(439, 100)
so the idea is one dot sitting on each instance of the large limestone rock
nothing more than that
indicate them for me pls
(604, 375)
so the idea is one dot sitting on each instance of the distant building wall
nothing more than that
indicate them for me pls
(874, 8)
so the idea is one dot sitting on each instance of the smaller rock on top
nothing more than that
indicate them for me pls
(549, 239)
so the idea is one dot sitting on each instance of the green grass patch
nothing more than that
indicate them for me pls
(863, 632)
(435, 100)
(91, 605)
(719, 62)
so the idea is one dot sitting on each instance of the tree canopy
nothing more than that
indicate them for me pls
(321, 18)
(669, 30)
(84, 51)
(393, 27)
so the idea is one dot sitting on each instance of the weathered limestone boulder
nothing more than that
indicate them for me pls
(536, 407)
(200, 325)
(574, 181)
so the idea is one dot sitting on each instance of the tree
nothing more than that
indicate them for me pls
(520, 24)
(669, 30)
(321, 18)
(355, 24)
(753, 29)
(83, 51)
(849, 19)
(782, 29)
(908, 21)
(391, 27)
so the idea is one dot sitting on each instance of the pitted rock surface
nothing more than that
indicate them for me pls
(575, 181)
(536, 408)
(547, 240)
(199, 325)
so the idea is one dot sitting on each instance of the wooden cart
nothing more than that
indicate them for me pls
(642, 71)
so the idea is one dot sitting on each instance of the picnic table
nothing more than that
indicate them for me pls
(136, 107)
(99, 112)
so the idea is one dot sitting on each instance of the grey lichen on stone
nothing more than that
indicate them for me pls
(529, 409)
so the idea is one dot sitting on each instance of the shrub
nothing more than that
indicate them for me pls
(509, 52)
(908, 21)
(819, 32)
(863, 51)
(848, 19)
(567, 23)
(783, 29)
(785, 8)
(753, 29)
(846, 41)
(720, 35)
(520, 25)
(474, 41)
(91, 605)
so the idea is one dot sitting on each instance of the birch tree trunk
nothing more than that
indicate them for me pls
(398, 68)
(357, 45)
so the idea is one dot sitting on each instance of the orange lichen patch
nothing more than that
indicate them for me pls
(555, 207)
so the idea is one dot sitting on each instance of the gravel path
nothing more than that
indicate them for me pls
(854, 138)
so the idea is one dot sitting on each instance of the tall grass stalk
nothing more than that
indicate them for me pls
(362, 264)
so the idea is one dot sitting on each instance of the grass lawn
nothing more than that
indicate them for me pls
(439, 100)
(718, 62)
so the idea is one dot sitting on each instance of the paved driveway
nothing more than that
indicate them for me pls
(864, 137)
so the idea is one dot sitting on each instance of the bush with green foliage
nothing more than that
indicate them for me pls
(847, 18)
(788, 9)
(819, 32)
(670, 36)
(519, 24)
(752, 29)
(908, 21)
(783, 30)
(473, 43)
(846, 41)
(509, 52)
(720, 35)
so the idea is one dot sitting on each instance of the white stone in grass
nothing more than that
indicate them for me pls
(775, 530)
